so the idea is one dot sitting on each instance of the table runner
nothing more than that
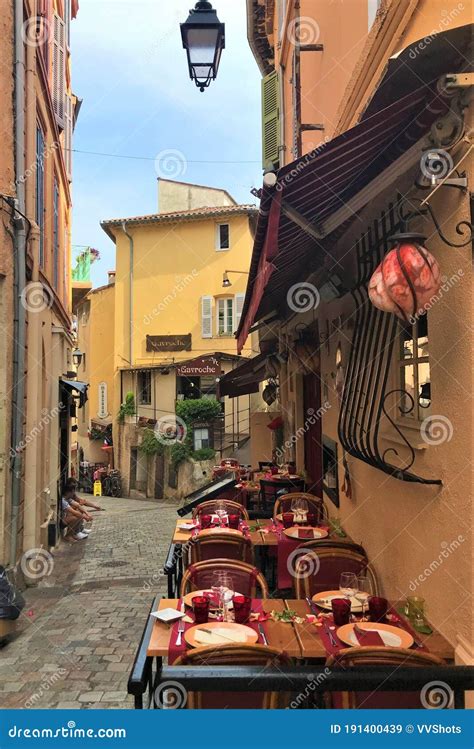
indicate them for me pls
(286, 546)
(174, 651)
(398, 621)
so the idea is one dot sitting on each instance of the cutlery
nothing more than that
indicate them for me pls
(332, 639)
(179, 638)
(262, 634)
(311, 606)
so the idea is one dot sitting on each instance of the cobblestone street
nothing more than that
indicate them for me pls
(80, 628)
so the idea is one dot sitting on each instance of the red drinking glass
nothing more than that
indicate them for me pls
(341, 611)
(377, 608)
(201, 609)
(288, 519)
(274, 470)
(206, 521)
(234, 521)
(242, 608)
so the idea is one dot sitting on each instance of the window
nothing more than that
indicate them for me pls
(415, 369)
(144, 388)
(223, 236)
(239, 305)
(59, 69)
(39, 207)
(201, 438)
(225, 316)
(55, 234)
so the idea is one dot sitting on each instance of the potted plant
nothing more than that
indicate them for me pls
(127, 410)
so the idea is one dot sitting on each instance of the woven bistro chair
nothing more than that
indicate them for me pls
(320, 569)
(271, 490)
(315, 504)
(221, 545)
(230, 506)
(352, 658)
(247, 580)
(235, 655)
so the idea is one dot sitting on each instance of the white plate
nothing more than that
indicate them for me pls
(324, 599)
(168, 615)
(187, 526)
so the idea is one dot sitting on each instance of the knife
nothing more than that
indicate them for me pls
(311, 606)
(330, 635)
(262, 634)
(210, 632)
(180, 634)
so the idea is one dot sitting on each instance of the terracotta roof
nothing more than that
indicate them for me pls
(188, 215)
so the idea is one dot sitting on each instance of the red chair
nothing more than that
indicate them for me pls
(315, 505)
(235, 655)
(221, 545)
(326, 565)
(247, 580)
(271, 490)
(231, 507)
(352, 658)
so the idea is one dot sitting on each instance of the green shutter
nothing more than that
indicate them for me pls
(271, 120)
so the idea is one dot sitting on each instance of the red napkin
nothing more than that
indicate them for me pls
(305, 533)
(368, 638)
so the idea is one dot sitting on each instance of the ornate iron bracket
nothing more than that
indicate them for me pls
(418, 207)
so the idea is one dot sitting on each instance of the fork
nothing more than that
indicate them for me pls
(262, 634)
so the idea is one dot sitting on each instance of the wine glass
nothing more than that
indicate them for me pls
(348, 584)
(223, 588)
(221, 513)
(363, 593)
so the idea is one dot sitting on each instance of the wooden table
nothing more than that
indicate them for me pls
(280, 635)
(301, 641)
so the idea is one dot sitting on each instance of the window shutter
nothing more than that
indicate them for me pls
(238, 307)
(206, 317)
(59, 69)
(270, 120)
(68, 136)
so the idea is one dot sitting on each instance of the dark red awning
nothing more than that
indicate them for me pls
(290, 235)
(245, 379)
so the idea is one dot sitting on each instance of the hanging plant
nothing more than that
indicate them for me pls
(127, 408)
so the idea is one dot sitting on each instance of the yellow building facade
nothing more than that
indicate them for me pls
(164, 330)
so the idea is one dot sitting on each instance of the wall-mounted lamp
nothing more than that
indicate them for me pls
(77, 357)
(226, 282)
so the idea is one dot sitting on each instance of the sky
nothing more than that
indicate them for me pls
(130, 69)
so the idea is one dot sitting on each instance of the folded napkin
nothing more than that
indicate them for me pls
(218, 636)
(305, 533)
(368, 637)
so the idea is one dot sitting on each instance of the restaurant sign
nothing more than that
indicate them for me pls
(168, 342)
(200, 367)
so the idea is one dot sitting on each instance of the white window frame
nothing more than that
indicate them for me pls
(208, 438)
(224, 300)
(218, 237)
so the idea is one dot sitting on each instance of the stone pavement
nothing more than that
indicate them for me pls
(81, 625)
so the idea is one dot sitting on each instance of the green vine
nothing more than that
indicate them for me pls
(150, 445)
(127, 408)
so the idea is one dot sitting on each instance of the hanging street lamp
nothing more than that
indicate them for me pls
(203, 39)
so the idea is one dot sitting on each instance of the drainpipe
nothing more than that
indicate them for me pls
(18, 390)
(130, 300)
